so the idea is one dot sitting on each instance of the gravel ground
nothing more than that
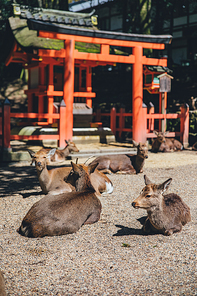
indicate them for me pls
(111, 257)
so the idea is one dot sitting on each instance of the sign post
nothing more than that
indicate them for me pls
(165, 87)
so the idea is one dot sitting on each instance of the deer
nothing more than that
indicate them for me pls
(67, 212)
(61, 154)
(2, 285)
(166, 213)
(124, 163)
(194, 146)
(100, 182)
(163, 144)
(55, 180)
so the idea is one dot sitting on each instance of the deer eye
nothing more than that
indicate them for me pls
(148, 195)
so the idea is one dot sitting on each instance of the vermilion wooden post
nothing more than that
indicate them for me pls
(6, 124)
(29, 96)
(143, 123)
(62, 124)
(89, 85)
(137, 95)
(184, 125)
(121, 121)
(50, 88)
(41, 97)
(113, 120)
(68, 88)
(151, 110)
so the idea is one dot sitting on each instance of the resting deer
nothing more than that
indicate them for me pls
(60, 155)
(124, 163)
(2, 285)
(67, 212)
(55, 180)
(166, 213)
(100, 182)
(194, 147)
(163, 144)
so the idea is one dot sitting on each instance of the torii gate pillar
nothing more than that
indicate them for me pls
(139, 126)
(68, 88)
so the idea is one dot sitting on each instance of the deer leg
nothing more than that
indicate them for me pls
(94, 217)
(106, 171)
(170, 231)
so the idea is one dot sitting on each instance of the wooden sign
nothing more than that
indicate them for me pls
(165, 82)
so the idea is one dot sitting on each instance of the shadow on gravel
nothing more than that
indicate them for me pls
(132, 231)
(127, 231)
(19, 180)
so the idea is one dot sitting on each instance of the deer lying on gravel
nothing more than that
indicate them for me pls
(123, 163)
(60, 155)
(2, 285)
(100, 182)
(55, 181)
(67, 212)
(194, 147)
(166, 213)
(163, 144)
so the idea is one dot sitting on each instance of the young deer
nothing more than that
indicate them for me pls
(2, 285)
(166, 213)
(55, 181)
(100, 182)
(124, 163)
(163, 144)
(64, 213)
(60, 155)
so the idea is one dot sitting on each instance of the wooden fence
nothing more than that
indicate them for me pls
(117, 122)
(116, 119)
(5, 126)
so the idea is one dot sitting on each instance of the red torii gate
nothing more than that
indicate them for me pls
(67, 56)
(105, 39)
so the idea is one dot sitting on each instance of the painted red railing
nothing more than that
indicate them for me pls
(5, 118)
(117, 121)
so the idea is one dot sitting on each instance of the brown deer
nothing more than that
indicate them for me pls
(2, 285)
(55, 180)
(124, 163)
(194, 147)
(67, 212)
(166, 213)
(100, 182)
(163, 144)
(61, 154)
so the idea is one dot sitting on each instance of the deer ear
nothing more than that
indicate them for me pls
(51, 152)
(156, 133)
(164, 186)
(75, 167)
(147, 180)
(32, 153)
(92, 167)
(135, 143)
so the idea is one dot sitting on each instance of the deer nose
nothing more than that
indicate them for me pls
(133, 204)
(39, 163)
(146, 156)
